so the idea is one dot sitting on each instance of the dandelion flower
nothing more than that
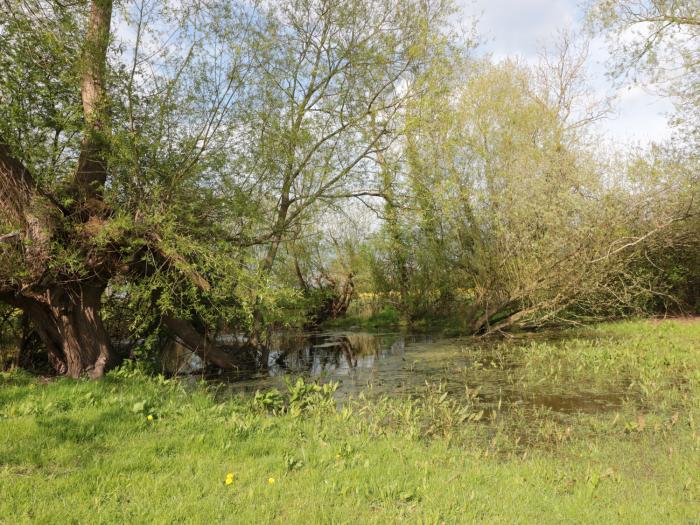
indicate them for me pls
(229, 478)
(271, 481)
(149, 417)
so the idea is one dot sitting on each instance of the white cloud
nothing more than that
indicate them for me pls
(641, 116)
(520, 28)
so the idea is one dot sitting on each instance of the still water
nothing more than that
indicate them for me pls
(397, 364)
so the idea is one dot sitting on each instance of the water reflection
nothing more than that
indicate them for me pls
(335, 354)
(402, 363)
(358, 361)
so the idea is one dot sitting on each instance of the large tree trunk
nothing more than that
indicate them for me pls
(68, 321)
(66, 316)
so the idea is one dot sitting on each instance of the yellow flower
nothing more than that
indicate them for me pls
(271, 481)
(229, 478)
(149, 417)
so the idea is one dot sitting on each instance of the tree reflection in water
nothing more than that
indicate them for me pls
(336, 353)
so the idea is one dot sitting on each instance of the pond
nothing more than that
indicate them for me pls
(399, 363)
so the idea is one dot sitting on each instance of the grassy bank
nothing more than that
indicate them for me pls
(134, 449)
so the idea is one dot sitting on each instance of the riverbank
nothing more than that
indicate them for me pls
(137, 449)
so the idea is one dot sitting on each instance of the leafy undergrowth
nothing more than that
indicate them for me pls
(137, 449)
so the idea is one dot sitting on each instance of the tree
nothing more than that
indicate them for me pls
(331, 86)
(657, 42)
(92, 154)
(513, 213)
(66, 314)
(163, 163)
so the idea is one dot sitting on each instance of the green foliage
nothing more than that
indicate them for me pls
(270, 401)
(387, 316)
(308, 396)
(512, 216)
(301, 397)
(39, 93)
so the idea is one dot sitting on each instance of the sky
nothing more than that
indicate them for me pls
(521, 28)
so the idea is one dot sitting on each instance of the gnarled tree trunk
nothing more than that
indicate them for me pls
(68, 321)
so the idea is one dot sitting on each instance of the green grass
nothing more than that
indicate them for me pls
(85, 452)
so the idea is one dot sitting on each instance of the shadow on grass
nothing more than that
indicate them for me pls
(62, 439)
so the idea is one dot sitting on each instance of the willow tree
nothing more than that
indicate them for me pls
(65, 310)
(332, 82)
(655, 43)
(106, 165)
(514, 216)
